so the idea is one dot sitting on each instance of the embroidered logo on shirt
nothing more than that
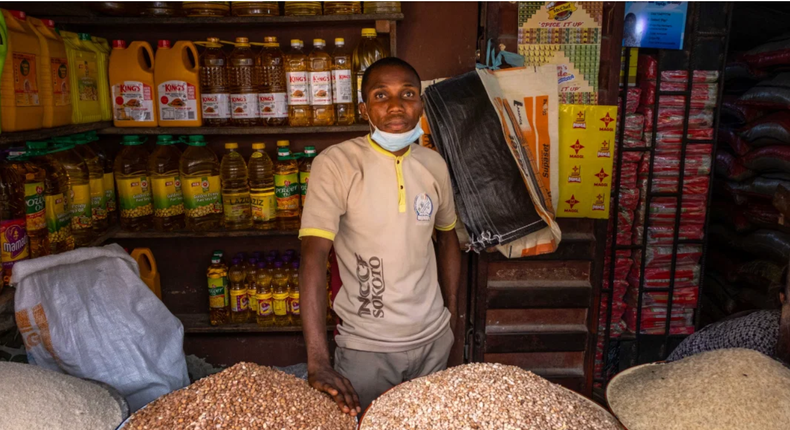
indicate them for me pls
(423, 206)
(370, 274)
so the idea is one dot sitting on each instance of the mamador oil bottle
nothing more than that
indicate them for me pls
(13, 234)
(132, 84)
(21, 104)
(297, 79)
(273, 99)
(53, 74)
(103, 61)
(244, 84)
(176, 77)
(32, 177)
(320, 66)
(84, 77)
(214, 87)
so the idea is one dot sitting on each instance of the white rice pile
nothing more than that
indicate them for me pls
(728, 389)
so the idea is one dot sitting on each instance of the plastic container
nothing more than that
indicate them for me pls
(53, 74)
(273, 98)
(3, 52)
(134, 190)
(302, 8)
(305, 166)
(108, 178)
(84, 78)
(206, 8)
(132, 84)
(297, 78)
(200, 179)
(263, 295)
(280, 295)
(32, 178)
(148, 271)
(342, 83)
(102, 48)
(244, 85)
(286, 188)
(294, 298)
(367, 52)
(260, 173)
(235, 189)
(160, 8)
(219, 296)
(320, 77)
(96, 174)
(250, 275)
(239, 301)
(255, 8)
(24, 109)
(177, 82)
(57, 212)
(14, 245)
(342, 7)
(79, 191)
(214, 86)
(382, 7)
(166, 180)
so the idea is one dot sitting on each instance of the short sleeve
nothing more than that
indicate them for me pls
(325, 201)
(445, 216)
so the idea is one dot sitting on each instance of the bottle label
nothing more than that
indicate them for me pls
(264, 305)
(109, 191)
(273, 105)
(298, 88)
(359, 87)
(253, 302)
(215, 105)
(239, 301)
(280, 304)
(293, 300)
(134, 101)
(321, 88)
(341, 86)
(13, 239)
(236, 206)
(202, 196)
(57, 216)
(134, 195)
(35, 207)
(216, 292)
(244, 106)
(264, 206)
(286, 190)
(177, 101)
(168, 200)
(98, 199)
(304, 178)
(61, 90)
(25, 79)
(81, 211)
(88, 80)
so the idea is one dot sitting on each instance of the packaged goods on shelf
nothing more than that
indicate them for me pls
(647, 68)
(631, 157)
(625, 222)
(629, 198)
(674, 136)
(769, 130)
(680, 101)
(634, 126)
(654, 320)
(702, 76)
(672, 118)
(628, 175)
(658, 277)
(20, 78)
(685, 297)
(635, 143)
(691, 185)
(662, 255)
(773, 93)
(632, 100)
(663, 234)
(668, 164)
(647, 112)
(177, 85)
(700, 92)
(662, 210)
(132, 85)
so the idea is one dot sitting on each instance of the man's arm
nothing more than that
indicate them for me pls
(312, 279)
(449, 256)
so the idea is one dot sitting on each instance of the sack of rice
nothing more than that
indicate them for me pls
(484, 396)
(34, 398)
(726, 389)
(245, 396)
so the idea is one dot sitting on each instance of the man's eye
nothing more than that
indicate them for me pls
(379, 95)
(409, 94)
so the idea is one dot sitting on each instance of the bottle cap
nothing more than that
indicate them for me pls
(295, 264)
(261, 265)
(212, 39)
(309, 151)
(339, 41)
(319, 42)
(270, 40)
(197, 140)
(278, 264)
(295, 42)
(119, 44)
(85, 36)
(242, 40)
(236, 261)
(163, 44)
(369, 32)
(231, 146)
(165, 139)
(258, 146)
(18, 14)
(48, 23)
(252, 260)
(282, 143)
(132, 140)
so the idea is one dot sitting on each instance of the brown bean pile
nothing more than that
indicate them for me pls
(244, 397)
(484, 396)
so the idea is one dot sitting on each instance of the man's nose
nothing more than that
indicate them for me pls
(395, 104)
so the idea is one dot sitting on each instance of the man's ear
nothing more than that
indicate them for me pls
(363, 111)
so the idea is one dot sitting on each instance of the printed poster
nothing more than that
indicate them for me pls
(655, 24)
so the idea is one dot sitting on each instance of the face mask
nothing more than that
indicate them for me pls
(394, 142)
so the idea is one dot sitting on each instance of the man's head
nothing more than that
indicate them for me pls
(391, 95)
(630, 23)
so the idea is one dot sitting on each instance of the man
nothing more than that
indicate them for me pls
(378, 199)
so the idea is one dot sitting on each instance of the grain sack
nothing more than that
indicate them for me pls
(34, 398)
(727, 389)
(771, 93)
(243, 396)
(484, 396)
(768, 130)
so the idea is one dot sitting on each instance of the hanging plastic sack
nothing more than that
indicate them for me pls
(87, 313)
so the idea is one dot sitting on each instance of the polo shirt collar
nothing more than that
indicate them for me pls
(378, 148)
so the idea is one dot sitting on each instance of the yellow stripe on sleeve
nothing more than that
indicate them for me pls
(316, 232)
(448, 228)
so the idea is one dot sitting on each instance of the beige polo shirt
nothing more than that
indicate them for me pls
(380, 210)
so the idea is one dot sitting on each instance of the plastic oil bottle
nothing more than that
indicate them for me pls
(108, 179)
(320, 66)
(273, 98)
(342, 7)
(32, 177)
(305, 165)
(177, 82)
(84, 77)
(133, 182)
(367, 52)
(166, 180)
(3, 52)
(298, 82)
(200, 179)
(235, 189)
(342, 86)
(218, 294)
(53, 74)
(280, 295)
(21, 104)
(302, 8)
(244, 85)
(286, 188)
(263, 296)
(261, 177)
(250, 281)
(13, 234)
(294, 303)
(79, 191)
(239, 302)
(102, 64)
(132, 84)
(214, 88)
(96, 174)
(57, 211)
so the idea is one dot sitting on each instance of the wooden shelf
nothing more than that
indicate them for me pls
(199, 324)
(227, 20)
(356, 128)
(46, 133)
(120, 234)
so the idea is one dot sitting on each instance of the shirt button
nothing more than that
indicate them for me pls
(401, 187)
(398, 162)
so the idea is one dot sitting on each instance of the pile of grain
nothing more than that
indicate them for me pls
(728, 389)
(245, 396)
(34, 398)
(484, 396)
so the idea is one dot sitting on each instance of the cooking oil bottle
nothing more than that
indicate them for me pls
(305, 165)
(286, 187)
(250, 282)
(263, 296)
(214, 88)
(13, 234)
(367, 52)
(109, 177)
(280, 295)
(32, 177)
(79, 191)
(342, 7)
(96, 173)
(132, 180)
(102, 70)
(273, 99)
(342, 87)
(53, 74)
(320, 66)
(21, 104)
(166, 180)
(176, 78)
(302, 8)
(244, 85)
(235, 189)
(132, 84)
(199, 169)
(297, 79)
(293, 295)
(261, 177)
(84, 77)
(239, 302)
(218, 294)
(57, 211)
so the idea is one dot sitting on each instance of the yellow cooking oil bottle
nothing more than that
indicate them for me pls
(132, 84)
(235, 189)
(367, 52)
(32, 178)
(260, 173)
(21, 103)
(133, 184)
(108, 178)
(57, 210)
(103, 64)
(273, 98)
(320, 78)
(294, 302)
(305, 166)
(239, 302)
(286, 187)
(200, 184)
(166, 180)
(177, 84)
(265, 316)
(280, 295)
(84, 77)
(79, 191)
(53, 74)
(298, 84)
(243, 78)
(218, 294)
(342, 86)
(250, 282)
(14, 244)
(214, 89)
(96, 173)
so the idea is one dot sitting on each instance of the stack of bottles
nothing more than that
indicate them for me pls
(201, 9)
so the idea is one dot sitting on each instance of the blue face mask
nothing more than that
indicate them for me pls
(394, 142)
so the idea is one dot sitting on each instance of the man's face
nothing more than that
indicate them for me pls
(393, 100)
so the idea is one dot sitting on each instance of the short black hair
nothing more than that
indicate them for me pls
(385, 62)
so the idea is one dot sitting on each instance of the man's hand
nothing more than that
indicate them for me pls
(326, 379)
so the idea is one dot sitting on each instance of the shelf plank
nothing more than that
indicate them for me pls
(199, 324)
(46, 133)
(120, 234)
(356, 128)
(226, 20)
